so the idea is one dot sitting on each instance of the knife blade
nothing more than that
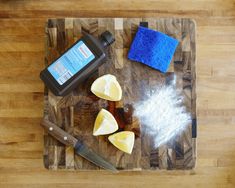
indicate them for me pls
(79, 147)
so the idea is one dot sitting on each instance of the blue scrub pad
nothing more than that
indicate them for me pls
(152, 48)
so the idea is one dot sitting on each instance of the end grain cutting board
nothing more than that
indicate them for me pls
(76, 112)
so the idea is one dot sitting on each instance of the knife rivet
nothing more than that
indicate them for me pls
(65, 138)
(51, 128)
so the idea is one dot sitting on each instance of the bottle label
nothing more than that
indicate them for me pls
(71, 62)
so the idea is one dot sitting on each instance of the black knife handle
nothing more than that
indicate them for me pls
(59, 133)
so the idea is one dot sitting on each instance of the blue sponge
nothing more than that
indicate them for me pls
(152, 48)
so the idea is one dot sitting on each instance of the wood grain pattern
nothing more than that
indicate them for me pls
(137, 81)
(21, 100)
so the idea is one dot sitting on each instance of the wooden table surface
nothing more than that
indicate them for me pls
(22, 26)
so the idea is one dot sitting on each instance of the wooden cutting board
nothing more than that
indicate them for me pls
(76, 112)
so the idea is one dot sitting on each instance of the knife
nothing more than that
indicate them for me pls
(79, 147)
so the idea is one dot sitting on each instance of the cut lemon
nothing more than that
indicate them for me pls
(107, 87)
(105, 123)
(123, 140)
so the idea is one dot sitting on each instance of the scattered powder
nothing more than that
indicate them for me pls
(162, 114)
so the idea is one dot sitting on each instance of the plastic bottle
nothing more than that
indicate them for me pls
(77, 63)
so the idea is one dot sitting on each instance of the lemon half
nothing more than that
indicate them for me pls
(123, 140)
(105, 123)
(107, 87)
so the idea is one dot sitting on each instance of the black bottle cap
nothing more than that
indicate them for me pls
(106, 38)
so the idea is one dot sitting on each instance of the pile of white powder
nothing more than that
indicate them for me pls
(162, 114)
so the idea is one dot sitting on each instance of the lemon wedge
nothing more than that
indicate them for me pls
(107, 87)
(105, 123)
(123, 140)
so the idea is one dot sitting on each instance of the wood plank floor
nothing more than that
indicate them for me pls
(21, 92)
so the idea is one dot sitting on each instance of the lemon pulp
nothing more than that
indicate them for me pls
(105, 123)
(107, 87)
(123, 140)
